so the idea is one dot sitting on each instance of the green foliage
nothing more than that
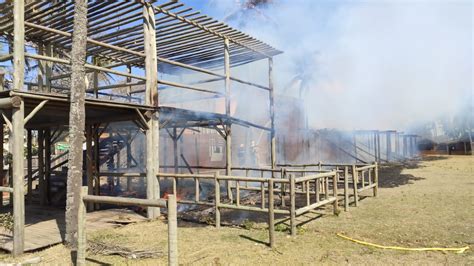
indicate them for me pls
(247, 224)
(281, 227)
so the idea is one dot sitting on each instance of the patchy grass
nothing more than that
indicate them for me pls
(429, 205)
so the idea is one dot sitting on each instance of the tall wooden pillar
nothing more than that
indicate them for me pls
(41, 180)
(89, 164)
(175, 150)
(272, 114)
(18, 177)
(29, 166)
(96, 139)
(129, 158)
(47, 162)
(151, 98)
(228, 126)
(18, 114)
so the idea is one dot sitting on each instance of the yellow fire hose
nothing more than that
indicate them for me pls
(457, 250)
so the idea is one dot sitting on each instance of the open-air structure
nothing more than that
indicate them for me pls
(136, 40)
(146, 46)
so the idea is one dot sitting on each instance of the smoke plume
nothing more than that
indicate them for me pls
(366, 65)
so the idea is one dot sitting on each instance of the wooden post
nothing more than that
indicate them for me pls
(18, 114)
(237, 193)
(196, 189)
(77, 119)
(89, 165)
(228, 127)
(175, 150)
(326, 187)
(47, 163)
(217, 200)
(308, 200)
(292, 205)
(271, 214)
(272, 113)
(172, 231)
(283, 176)
(334, 189)
(316, 189)
(129, 80)
(18, 179)
(376, 179)
(355, 180)
(48, 68)
(346, 188)
(129, 159)
(41, 180)
(29, 166)
(262, 194)
(151, 70)
(97, 163)
(81, 229)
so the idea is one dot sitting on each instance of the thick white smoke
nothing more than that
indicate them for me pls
(371, 64)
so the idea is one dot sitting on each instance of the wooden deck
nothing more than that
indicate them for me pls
(45, 226)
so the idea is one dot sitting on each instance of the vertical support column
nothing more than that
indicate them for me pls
(271, 214)
(272, 113)
(129, 158)
(376, 179)
(29, 166)
(81, 229)
(346, 188)
(228, 127)
(151, 98)
(129, 80)
(41, 180)
(95, 131)
(48, 68)
(18, 114)
(355, 177)
(47, 163)
(292, 205)
(175, 150)
(89, 165)
(172, 231)
(18, 44)
(18, 178)
(217, 193)
(334, 190)
(41, 68)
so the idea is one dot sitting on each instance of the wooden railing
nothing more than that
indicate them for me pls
(306, 190)
(169, 204)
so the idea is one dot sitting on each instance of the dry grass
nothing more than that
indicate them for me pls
(432, 205)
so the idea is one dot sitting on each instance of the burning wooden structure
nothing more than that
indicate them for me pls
(135, 40)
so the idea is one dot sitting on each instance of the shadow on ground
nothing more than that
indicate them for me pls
(390, 175)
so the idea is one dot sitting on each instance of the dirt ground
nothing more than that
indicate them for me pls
(424, 204)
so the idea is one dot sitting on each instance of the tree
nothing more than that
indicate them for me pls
(76, 120)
